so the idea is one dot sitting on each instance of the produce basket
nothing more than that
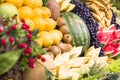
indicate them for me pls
(59, 40)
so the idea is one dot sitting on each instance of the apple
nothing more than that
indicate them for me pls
(8, 10)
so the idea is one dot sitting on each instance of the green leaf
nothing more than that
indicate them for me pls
(44, 2)
(7, 60)
(23, 63)
(35, 32)
(114, 66)
(49, 75)
(116, 3)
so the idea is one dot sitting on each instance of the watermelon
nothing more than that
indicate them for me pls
(112, 27)
(117, 32)
(78, 30)
(108, 49)
(116, 52)
(110, 37)
(104, 36)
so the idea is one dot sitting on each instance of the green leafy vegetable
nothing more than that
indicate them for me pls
(49, 76)
(110, 72)
(113, 67)
(116, 3)
(7, 60)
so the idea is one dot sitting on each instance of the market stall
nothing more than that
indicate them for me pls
(59, 40)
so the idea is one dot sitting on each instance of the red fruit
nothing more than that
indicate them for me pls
(39, 56)
(30, 31)
(26, 27)
(113, 37)
(23, 20)
(14, 27)
(8, 32)
(3, 42)
(31, 60)
(11, 39)
(28, 50)
(29, 36)
(23, 26)
(115, 53)
(108, 49)
(1, 29)
(117, 32)
(31, 65)
(112, 27)
(23, 45)
(43, 59)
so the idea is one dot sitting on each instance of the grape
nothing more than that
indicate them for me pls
(84, 12)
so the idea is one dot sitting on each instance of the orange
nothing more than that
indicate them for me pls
(39, 23)
(17, 3)
(33, 3)
(30, 23)
(25, 12)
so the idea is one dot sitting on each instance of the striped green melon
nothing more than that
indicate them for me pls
(78, 30)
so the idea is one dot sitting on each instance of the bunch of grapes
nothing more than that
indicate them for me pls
(84, 12)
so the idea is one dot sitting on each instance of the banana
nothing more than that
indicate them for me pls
(101, 11)
(98, 3)
(99, 20)
(107, 9)
(95, 9)
(96, 17)
(107, 22)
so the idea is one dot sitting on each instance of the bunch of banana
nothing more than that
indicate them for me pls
(101, 11)
(65, 5)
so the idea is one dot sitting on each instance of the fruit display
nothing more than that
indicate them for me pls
(59, 40)
(110, 39)
(101, 12)
(83, 11)
(78, 30)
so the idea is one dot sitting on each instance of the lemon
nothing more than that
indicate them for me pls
(47, 38)
(25, 12)
(46, 12)
(17, 3)
(51, 24)
(33, 3)
(38, 12)
(30, 23)
(39, 41)
(56, 36)
(60, 33)
(39, 23)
